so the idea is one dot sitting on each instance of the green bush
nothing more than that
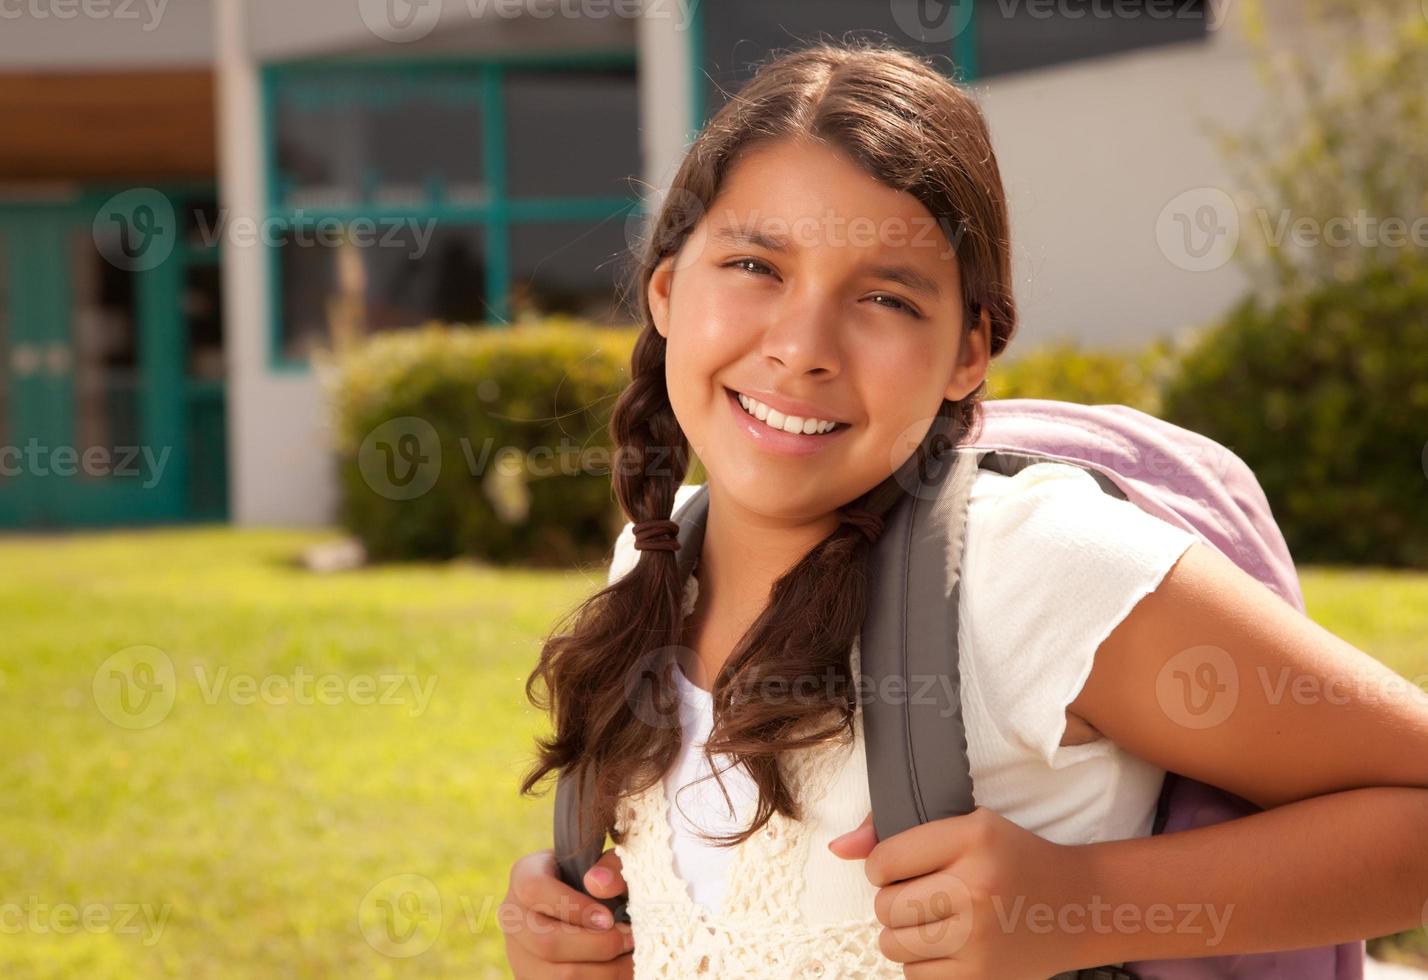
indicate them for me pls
(1326, 398)
(1065, 372)
(485, 442)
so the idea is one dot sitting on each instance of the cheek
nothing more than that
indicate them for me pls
(896, 367)
(716, 328)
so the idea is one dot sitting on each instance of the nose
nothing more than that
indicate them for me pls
(802, 334)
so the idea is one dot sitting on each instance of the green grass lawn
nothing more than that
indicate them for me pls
(293, 830)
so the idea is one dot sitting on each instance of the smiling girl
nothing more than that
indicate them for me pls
(829, 272)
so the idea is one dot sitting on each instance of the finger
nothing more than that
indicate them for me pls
(526, 966)
(536, 884)
(929, 941)
(606, 877)
(918, 850)
(555, 941)
(857, 843)
(937, 970)
(925, 899)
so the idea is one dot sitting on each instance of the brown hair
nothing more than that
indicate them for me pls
(907, 125)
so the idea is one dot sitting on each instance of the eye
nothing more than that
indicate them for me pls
(741, 263)
(901, 306)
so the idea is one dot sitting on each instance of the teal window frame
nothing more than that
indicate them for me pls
(496, 216)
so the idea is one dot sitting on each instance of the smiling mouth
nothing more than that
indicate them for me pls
(781, 422)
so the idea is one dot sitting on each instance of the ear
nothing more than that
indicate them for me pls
(661, 283)
(973, 357)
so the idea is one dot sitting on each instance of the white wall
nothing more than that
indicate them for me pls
(666, 81)
(289, 29)
(105, 35)
(1091, 154)
(279, 463)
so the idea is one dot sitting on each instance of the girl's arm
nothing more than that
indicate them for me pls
(1215, 677)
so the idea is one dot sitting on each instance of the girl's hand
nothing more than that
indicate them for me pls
(973, 896)
(552, 930)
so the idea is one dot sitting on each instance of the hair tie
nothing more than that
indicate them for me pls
(657, 535)
(865, 520)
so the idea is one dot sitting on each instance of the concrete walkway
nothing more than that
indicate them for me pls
(1378, 970)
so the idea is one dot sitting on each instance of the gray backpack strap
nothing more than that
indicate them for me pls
(912, 724)
(914, 733)
(573, 860)
(1010, 463)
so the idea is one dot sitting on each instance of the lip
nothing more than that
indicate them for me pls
(775, 440)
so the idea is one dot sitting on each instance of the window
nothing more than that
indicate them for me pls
(739, 33)
(574, 268)
(344, 137)
(550, 114)
(469, 193)
(1032, 34)
(978, 39)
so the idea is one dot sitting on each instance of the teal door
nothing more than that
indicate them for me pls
(98, 401)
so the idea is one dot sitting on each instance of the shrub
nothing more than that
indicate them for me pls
(486, 442)
(1066, 372)
(1326, 398)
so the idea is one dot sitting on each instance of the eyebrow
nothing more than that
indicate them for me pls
(905, 275)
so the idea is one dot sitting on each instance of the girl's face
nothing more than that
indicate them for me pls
(827, 296)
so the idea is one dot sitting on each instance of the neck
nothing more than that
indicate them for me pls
(743, 554)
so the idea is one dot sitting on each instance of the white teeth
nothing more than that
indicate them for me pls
(788, 423)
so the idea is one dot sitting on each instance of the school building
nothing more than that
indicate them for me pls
(196, 195)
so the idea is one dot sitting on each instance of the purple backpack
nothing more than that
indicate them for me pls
(1174, 474)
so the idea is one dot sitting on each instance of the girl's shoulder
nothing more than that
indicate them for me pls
(1055, 510)
(1051, 565)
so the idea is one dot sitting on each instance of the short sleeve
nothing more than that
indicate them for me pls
(625, 556)
(1051, 565)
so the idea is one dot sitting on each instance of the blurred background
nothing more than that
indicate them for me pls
(312, 316)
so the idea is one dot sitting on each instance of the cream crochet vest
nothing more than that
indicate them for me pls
(791, 908)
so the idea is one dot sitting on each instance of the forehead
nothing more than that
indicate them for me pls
(797, 196)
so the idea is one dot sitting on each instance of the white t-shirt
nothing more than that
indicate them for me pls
(1051, 566)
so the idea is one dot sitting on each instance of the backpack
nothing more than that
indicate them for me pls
(1174, 474)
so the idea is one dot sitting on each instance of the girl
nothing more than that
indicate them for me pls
(828, 272)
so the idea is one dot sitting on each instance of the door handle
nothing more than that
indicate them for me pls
(25, 359)
(59, 358)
